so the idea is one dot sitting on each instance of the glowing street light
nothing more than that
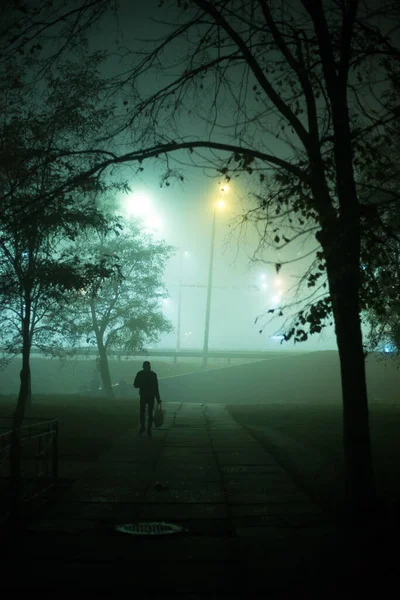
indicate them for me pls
(277, 298)
(139, 204)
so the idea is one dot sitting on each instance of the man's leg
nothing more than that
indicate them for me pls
(142, 414)
(150, 404)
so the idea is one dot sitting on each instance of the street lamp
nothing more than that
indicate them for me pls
(140, 205)
(219, 204)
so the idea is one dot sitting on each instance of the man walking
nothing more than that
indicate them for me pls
(147, 383)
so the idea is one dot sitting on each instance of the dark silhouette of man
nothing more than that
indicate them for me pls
(147, 383)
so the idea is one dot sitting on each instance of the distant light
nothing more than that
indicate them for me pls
(220, 204)
(262, 275)
(186, 253)
(278, 281)
(389, 348)
(225, 188)
(264, 286)
(140, 204)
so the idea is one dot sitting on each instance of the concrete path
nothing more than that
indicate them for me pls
(249, 528)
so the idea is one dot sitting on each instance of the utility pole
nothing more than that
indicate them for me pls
(209, 290)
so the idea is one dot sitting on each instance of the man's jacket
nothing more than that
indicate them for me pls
(147, 383)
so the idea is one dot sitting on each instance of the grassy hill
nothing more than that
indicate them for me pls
(53, 376)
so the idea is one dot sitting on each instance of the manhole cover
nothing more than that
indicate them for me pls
(150, 528)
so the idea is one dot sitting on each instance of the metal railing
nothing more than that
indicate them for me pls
(28, 463)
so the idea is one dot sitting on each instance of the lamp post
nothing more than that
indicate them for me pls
(178, 324)
(219, 204)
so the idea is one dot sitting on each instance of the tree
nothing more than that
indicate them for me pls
(306, 79)
(37, 39)
(307, 301)
(35, 271)
(380, 256)
(121, 313)
(33, 37)
(26, 27)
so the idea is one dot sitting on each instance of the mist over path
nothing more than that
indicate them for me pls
(306, 377)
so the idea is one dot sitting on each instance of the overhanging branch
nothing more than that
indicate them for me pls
(155, 151)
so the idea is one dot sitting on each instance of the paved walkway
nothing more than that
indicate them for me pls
(249, 527)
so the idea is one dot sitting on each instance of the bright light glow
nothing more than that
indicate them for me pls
(225, 188)
(264, 286)
(278, 282)
(277, 298)
(152, 222)
(186, 253)
(220, 204)
(262, 275)
(389, 348)
(139, 204)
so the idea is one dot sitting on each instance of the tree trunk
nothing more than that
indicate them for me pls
(103, 362)
(25, 392)
(105, 372)
(360, 488)
(341, 242)
(24, 399)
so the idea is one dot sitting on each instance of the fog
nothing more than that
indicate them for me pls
(182, 215)
(242, 292)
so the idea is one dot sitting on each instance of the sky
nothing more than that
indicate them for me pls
(182, 215)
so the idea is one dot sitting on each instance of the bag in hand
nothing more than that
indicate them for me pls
(158, 417)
